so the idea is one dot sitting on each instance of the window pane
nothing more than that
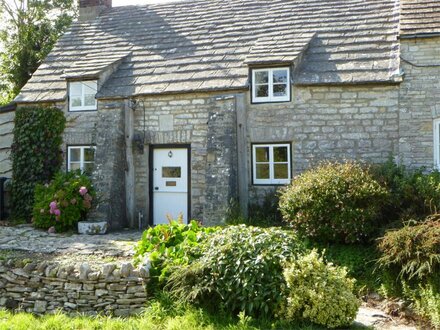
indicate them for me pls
(280, 154)
(88, 168)
(75, 89)
(262, 171)
(74, 166)
(89, 154)
(262, 154)
(90, 87)
(262, 90)
(279, 90)
(280, 76)
(89, 100)
(171, 172)
(76, 101)
(261, 77)
(281, 171)
(75, 154)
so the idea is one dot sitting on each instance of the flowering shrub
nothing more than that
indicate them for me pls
(318, 292)
(334, 202)
(63, 202)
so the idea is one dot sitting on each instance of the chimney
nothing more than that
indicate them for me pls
(90, 9)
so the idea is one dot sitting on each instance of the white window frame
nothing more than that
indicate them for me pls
(270, 98)
(92, 84)
(81, 161)
(436, 137)
(271, 180)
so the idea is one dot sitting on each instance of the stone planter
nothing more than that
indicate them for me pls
(92, 227)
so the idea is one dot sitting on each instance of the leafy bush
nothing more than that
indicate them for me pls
(168, 245)
(334, 203)
(426, 298)
(414, 194)
(240, 269)
(63, 202)
(35, 153)
(319, 292)
(413, 251)
(410, 258)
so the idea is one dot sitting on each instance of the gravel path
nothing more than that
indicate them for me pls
(26, 238)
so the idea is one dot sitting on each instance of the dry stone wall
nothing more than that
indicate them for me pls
(48, 287)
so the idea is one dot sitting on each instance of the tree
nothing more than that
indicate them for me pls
(30, 30)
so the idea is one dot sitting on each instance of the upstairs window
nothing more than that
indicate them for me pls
(81, 158)
(82, 95)
(271, 85)
(271, 164)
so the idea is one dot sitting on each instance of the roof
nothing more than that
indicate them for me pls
(8, 107)
(420, 17)
(204, 45)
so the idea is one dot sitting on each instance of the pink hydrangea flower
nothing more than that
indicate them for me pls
(57, 212)
(53, 205)
(83, 191)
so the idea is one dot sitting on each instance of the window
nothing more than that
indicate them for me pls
(271, 163)
(271, 85)
(81, 158)
(82, 95)
(437, 143)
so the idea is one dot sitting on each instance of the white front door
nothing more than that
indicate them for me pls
(170, 184)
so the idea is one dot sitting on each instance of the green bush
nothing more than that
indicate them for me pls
(413, 251)
(358, 259)
(410, 260)
(240, 269)
(319, 292)
(334, 203)
(63, 202)
(169, 245)
(413, 193)
(264, 213)
(35, 153)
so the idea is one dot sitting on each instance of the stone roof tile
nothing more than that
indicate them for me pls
(420, 17)
(204, 45)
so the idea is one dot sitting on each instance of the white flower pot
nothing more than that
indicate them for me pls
(92, 227)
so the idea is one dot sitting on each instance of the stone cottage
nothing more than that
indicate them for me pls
(180, 107)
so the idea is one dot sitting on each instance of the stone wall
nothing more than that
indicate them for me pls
(190, 119)
(110, 164)
(47, 287)
(6, 127)
(419, 98)
(329, 123)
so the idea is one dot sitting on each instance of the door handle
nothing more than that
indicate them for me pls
(156, 188)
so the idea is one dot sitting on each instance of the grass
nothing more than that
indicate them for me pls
(159, 315)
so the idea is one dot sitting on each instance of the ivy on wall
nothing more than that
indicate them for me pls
(35, 153)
